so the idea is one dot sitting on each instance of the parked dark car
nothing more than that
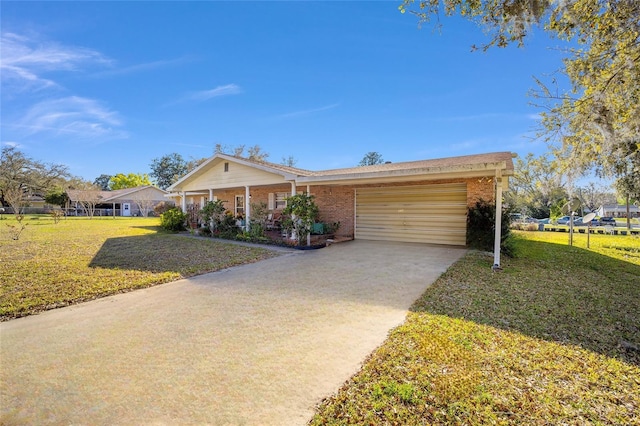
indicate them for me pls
(606, 220)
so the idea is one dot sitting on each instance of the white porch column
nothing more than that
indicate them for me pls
(309, 234)
(210, 194)
(247, 207)
(184, 201)
(293, 217)
(498, 223)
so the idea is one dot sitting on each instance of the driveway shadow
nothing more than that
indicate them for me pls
(554, 292)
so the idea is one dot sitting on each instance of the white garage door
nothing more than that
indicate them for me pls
(434, 214)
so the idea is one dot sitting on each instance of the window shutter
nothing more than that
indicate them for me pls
(272, 201)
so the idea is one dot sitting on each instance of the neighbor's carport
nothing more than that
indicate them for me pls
(256, 344)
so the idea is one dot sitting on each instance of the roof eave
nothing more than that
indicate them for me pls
(287, 176)
(427, 173)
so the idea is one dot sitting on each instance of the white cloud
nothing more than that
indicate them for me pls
(141, 67)
(308, 111)
(73, 117)
(25, 60)
(205, 95)
(10, 144)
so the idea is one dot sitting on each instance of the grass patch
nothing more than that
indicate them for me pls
(80, 259)
(552, 339)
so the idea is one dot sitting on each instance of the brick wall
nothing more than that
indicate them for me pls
(337, 203)
(480, 188)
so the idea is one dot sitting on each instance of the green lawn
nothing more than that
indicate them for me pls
(552, 339)
(79, 259)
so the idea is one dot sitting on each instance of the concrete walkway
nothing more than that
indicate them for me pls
(258, 344)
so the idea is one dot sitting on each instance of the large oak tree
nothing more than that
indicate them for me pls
(595, 123)
(22, 177)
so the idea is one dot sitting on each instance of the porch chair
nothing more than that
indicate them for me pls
(272, 222)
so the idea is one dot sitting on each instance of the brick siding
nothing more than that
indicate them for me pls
(337, 203)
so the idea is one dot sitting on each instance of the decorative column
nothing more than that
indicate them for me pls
(247, 207)
(184, 201)
(498, 223)
(309, 234)
(293, 217)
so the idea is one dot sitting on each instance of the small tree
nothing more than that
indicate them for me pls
(168, 169)
(57, 197)
(213, 214)
(89, 199)
(371, 159)
(289, 161)
(144, 200)
(302, 212)
(131, 180)
(102, 182)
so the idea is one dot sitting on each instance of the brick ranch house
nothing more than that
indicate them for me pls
(418, 201)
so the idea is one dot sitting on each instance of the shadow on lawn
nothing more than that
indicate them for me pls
(552, 292)
(156, 228)
(141, 253)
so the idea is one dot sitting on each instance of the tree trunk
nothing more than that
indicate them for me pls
(628, 215)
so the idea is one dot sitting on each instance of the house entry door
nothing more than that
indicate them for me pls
(126, 209)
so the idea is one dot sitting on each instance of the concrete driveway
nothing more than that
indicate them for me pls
(258, 344)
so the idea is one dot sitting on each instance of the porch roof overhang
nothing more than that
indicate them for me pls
(490, 165)
(409, 175)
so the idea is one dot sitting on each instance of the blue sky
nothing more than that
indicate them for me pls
(105, 87)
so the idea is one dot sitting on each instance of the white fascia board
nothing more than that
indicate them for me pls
(430, 173)
(264, 168)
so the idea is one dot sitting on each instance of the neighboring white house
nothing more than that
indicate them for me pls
(138, 201)
(618, 210)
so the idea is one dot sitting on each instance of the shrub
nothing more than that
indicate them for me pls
(525, 226)
(259, 214)
(163, 206)
(213, 213)
(173, 220)
(481, 230)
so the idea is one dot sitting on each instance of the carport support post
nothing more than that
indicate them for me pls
(498, 224)
(308, 233)
(293, 217)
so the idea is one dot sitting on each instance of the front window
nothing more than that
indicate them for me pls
(239, 205)
(281, 200)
